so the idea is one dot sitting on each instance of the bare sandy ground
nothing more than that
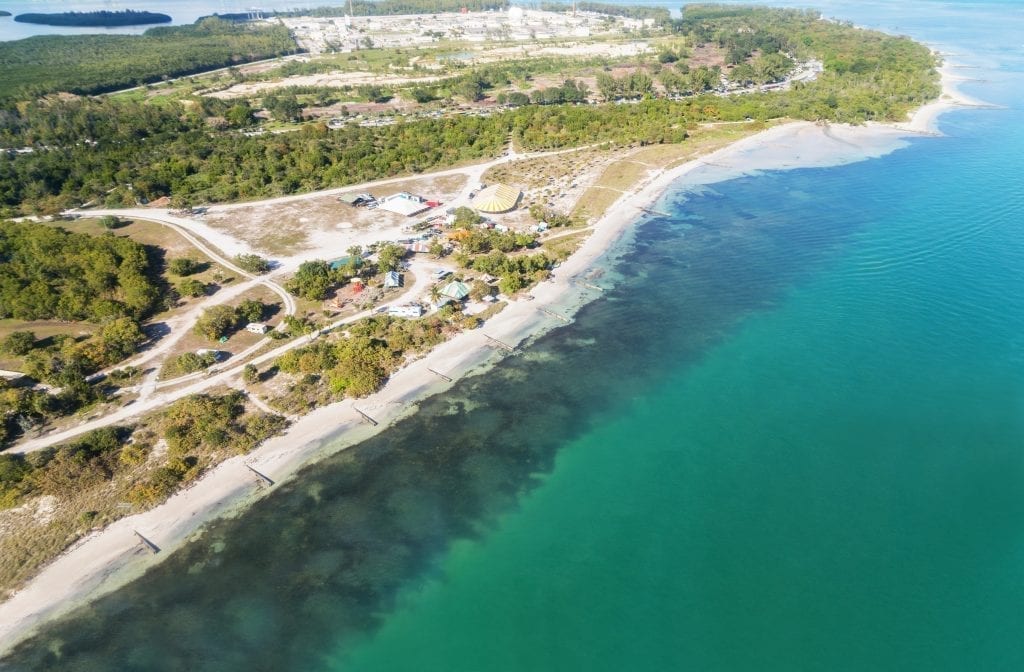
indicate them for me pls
(108, 559)
(341, 79)
(310, 226)
(331, 79)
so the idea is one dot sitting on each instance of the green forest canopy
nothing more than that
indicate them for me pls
(88, 64)
(50, 273)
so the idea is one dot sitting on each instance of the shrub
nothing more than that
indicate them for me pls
(253, 263)
(18, 343)
(191, 288)
(184, 266)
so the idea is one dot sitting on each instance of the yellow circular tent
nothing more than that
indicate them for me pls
(497, 198)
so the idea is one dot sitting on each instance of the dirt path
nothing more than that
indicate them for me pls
(180, 325)
(151, 396)
(221, 377)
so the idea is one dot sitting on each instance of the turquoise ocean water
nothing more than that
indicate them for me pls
(789, 437)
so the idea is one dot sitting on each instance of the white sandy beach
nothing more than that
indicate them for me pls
(107, 559)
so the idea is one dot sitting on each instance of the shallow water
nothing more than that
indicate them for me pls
(790, 437)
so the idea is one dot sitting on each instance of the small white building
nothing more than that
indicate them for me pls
(216, 354)
(257, 328)
(409, 310)
(404, 203)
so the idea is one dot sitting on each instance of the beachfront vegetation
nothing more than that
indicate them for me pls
(115, 471)
(203, 423)
(357, 364)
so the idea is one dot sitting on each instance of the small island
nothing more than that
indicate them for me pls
(97, 19)
(4, 13)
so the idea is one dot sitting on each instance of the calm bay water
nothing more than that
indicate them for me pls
(791, 437)
(180, 11)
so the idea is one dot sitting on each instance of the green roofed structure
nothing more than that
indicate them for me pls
(455, 290)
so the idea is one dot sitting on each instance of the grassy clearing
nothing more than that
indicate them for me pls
(46, 328)
(538, 173)
(43, 329)
(238, 341)
(146, 233)
(562, 246)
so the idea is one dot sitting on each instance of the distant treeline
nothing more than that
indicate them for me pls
(121, 151)
(659, 14)
(694, 12)
(381, 8)
(100, 18)
(90, 64)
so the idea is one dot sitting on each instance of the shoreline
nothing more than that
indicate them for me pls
(105, 560)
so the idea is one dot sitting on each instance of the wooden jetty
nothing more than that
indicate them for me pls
(500, 344)
(551, 313)
(149, 545)
(263, 478)
(440, 375)
(590, 286)
(365, 416)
